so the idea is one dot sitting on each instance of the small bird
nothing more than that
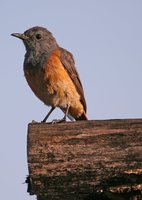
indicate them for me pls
(51, 74)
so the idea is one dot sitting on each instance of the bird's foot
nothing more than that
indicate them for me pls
(58, 120)
(43, 121)
(34, 122)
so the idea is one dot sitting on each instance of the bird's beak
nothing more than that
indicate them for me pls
(20, 36)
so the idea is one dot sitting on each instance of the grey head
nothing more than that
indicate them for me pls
(39, 42)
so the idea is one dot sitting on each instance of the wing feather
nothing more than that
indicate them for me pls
(69, 64)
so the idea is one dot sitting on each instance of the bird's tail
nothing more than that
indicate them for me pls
(83, 116)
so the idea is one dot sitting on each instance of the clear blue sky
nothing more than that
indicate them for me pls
(105, 38)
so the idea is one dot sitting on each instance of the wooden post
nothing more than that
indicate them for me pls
(85, 160)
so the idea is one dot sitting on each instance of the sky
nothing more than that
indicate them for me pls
(105, 37)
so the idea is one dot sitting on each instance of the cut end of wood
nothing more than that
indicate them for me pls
(75, 160)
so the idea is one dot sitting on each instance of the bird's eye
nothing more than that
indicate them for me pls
(38, 36)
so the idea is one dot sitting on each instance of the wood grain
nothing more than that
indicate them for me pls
(77, 160)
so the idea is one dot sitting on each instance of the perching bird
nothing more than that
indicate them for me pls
(51, 74)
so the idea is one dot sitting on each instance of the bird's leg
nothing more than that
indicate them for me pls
(48, 114)
(64, 118)
(66, 113)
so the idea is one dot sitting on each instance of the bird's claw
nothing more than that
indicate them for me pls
(55, 121)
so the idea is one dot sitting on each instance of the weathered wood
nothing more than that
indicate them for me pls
(78, 160)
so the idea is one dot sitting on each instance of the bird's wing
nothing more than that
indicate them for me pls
(69, 64)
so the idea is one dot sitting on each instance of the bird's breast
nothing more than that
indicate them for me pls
(52, 84)
(39, 84)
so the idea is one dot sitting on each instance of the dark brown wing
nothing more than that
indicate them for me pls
(69, 64)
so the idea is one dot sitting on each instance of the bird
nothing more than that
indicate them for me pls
(51, 74)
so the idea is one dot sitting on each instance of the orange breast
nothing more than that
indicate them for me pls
(53, 85)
